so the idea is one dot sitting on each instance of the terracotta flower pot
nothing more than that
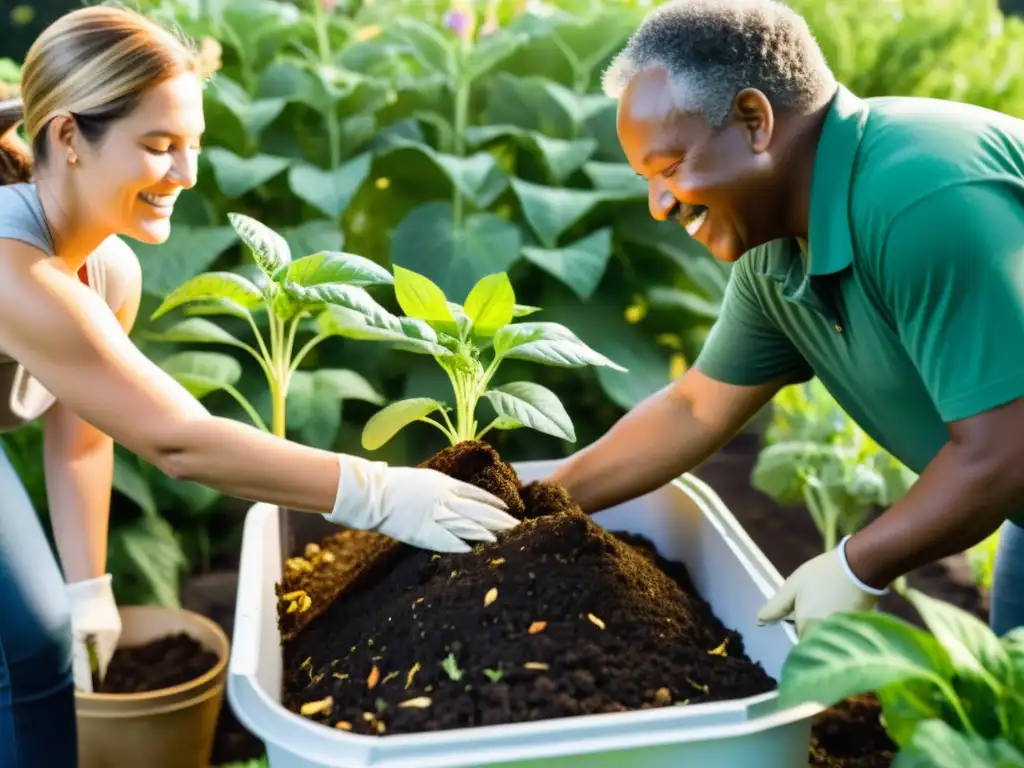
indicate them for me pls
(170, 727)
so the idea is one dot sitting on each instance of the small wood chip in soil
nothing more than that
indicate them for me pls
(537, 626)
(316, 707)
(536, 665)
(491, 596)
(596, 621)
(420, 702)
(720, 650)
(371, 681)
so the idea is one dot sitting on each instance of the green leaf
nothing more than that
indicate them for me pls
(213, 286)
(203, 372)
(618, 177)
(404, 333)
(848, 654)
(238, 175)
(269, 249)
(194, 330)
(352, 297)
(660, 297)
(779, 468)
(188, 251)
(973, 648)
(386, 423)
(430, 49)
(129, 482)
(427, 242)
(420, 297)
(561, 157)
(935, 744)
(330, 191)
(905, 705)
(476, 177)
(334, 267)
(253, 115)
(532, 406)
(314, 236)
(491, 50)
(147, 562)
(522, 310)
(490, 304)
(579, 265)
(548, 343)
(346, 385)
(1013, 643)
(552, 210)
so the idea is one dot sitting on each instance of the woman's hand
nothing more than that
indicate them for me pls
(96, 628)
(418, 506)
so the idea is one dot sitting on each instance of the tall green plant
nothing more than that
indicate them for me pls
(288, 292)
(817, 456)
(465, 333)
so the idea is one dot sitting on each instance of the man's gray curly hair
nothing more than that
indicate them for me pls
(713, 49)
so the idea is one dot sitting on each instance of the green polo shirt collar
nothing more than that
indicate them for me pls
(831, 236)
(830, 244)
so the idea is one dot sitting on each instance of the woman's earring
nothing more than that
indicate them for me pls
(72, 157)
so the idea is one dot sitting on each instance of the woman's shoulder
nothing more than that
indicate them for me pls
(21, 217)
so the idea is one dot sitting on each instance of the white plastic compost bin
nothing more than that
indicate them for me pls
(685, 520)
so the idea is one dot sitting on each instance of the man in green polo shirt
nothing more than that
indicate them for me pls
(878, 244)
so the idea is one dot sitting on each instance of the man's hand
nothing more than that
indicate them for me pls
(96, 625)
(822, 586)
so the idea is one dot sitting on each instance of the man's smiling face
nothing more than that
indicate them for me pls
(716, 182)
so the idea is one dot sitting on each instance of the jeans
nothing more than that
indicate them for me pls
(37, 697)
(1007, 598)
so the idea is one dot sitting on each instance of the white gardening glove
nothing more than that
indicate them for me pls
(418, 506)
(96, 625)
(822, 586)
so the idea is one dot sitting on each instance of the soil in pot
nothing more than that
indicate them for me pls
(162, 663)
(558, 617)
(850, 735)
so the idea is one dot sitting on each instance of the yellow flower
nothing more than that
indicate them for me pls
(676, 366)
(383, 182)
(209, 56)
(368, 33)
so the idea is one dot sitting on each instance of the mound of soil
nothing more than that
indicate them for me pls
(162, 663)
(558, 617)
(850, 735)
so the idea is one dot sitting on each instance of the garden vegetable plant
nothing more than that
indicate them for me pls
(816, 455)
(288, 291)
(459, 336)
(951, 696)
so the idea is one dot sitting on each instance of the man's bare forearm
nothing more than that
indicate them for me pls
(964, 494)
(668, 434)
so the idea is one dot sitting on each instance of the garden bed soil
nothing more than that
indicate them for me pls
(848, 735)
(557, 618)
(168, 661)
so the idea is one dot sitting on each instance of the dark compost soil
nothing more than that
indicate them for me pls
(162, 663)
(850, 735)
(558, 617)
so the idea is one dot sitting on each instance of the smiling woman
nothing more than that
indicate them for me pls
(113, 111)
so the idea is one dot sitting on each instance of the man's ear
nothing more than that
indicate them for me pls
(753, 112)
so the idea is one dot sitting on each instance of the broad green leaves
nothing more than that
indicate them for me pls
(491, 304)
(270, 250)
(531, 405)
(234, 290)
(955, 689)
(457, 335)
(386, 423)
(330, 191)
(427, 242)
(548, 343)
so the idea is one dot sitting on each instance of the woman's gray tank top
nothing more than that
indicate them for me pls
(22, 397)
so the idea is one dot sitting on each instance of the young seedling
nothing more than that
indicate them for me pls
(470, 341)
(289, 291)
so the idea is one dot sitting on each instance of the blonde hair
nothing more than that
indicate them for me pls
(93, 64)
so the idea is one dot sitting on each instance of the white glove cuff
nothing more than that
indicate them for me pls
(852, 576)
(89, 589)
(359, 501)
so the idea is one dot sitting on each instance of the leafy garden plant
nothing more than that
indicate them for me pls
(951, 696)
(470, 341)
(288, 291)
(816, 455)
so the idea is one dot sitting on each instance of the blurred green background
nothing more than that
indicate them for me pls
(351, 125)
